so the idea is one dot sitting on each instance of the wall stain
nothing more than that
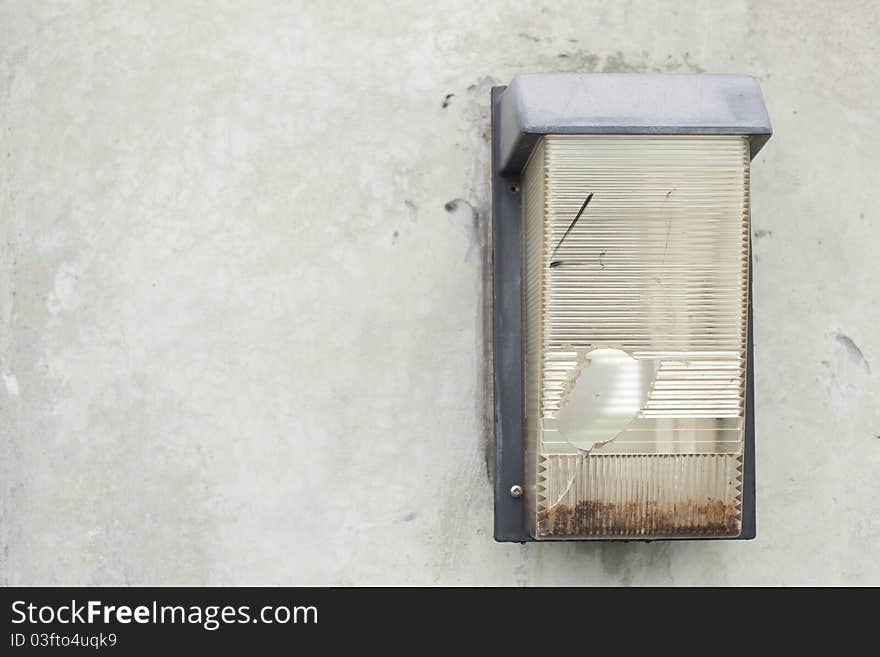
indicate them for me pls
(853, 351)
(413, 209)
(478, 185)
(578, 60)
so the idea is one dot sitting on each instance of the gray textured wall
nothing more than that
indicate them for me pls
(241, 299)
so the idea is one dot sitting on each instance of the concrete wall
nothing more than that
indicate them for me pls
(241, 288)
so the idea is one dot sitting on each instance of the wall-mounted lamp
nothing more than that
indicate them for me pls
(622, 306)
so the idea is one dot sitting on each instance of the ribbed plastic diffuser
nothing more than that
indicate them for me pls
(635, 285)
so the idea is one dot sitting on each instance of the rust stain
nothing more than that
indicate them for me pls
(647, 518)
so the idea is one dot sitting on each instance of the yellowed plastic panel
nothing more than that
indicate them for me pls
(635, 310)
